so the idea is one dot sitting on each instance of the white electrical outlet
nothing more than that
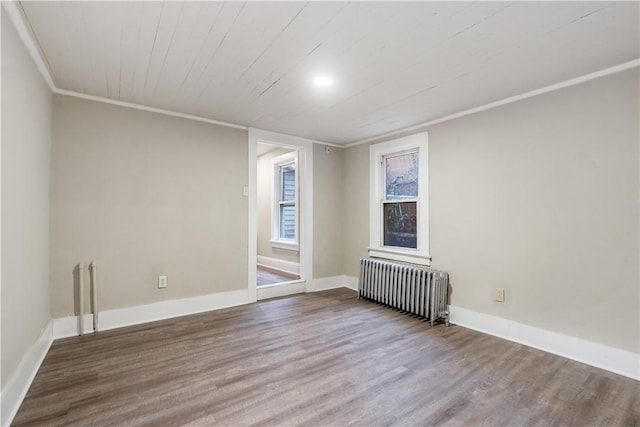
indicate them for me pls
(162, 282)
(500, 294)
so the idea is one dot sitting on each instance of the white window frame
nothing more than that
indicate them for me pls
(276, 166)
(377, 153)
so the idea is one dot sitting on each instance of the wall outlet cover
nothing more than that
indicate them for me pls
(162, 282)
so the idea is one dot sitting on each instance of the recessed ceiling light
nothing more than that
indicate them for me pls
(323, 81)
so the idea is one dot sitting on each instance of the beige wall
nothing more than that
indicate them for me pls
(539, 197)
(143, 195)
(26, 131)
(263, 208)
(328, 212)
(355, 211)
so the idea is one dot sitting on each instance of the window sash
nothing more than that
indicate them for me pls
(287, 196)
(412, 247)
(404, 230)
(407, 182)
(284, 201)
(287, 221)
(287, 182)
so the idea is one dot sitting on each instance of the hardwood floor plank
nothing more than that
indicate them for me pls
(324, 358)
(269, 276)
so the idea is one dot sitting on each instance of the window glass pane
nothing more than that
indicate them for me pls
(400, 224)
(288, 182)
(287, 221)
(401, 176)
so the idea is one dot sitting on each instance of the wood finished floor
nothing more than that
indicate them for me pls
(316, 359)
(268, 276)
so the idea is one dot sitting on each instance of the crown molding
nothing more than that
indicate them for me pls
(23, 28)
(145, 108)
(17, 17)
(567, 83)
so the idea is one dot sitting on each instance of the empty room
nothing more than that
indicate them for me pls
(320, 213)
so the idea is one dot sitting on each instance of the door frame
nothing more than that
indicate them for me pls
(305, 226)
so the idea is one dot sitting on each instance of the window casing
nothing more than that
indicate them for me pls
(285, 202)
(399, 204)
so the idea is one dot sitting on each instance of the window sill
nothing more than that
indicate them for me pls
(403, 256)
(283, 244)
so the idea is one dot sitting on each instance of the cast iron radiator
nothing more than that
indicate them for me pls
(412, 289)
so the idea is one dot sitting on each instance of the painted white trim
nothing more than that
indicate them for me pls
(400, 256)
(351, 282)
(551, 88)
(16, 16)
(300, 286)
(599, 355)
(330, 144)
(252, 218)
(377, 153)
(121, 317)
(279, 264)
(281, 289)
(283, 244)
(145, 108)
(334, 282)
(325, 283)
(305, 161)
(18, 385)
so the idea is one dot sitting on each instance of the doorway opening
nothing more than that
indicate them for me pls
(285, 192)
(277, 213)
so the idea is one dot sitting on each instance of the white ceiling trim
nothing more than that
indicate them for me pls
(17, 18)
(547, 89)
(14, 12)
(145, 108)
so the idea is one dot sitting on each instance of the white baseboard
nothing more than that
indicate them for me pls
(18, 385)
(121, 317)
(326, 283)
(351, 282)
(315, 285)
(281, 289)
(599, 355)
(278, 264)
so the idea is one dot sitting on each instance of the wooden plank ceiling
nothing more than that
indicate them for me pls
(394, 64)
